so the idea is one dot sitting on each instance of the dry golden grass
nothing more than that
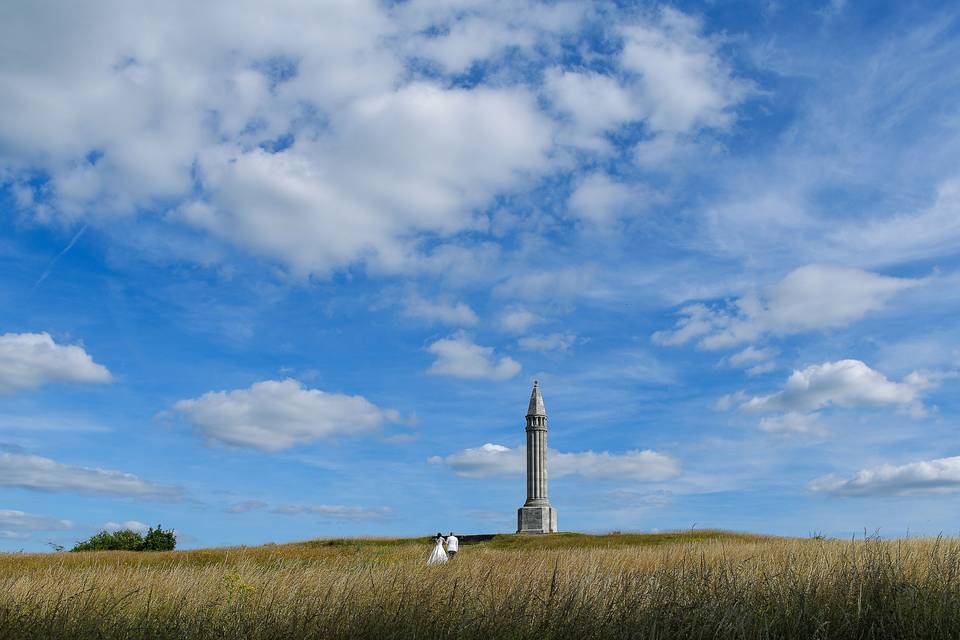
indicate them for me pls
(694, 585)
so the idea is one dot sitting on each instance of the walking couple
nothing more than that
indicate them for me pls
(439, 556)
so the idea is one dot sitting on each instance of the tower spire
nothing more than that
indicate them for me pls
(536, 407)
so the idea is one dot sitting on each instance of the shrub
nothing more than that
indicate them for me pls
(157, 539)
(122, 540)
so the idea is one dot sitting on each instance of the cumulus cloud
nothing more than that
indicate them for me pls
(460, 357)
(549, 342)
(683, 82)
(926, 476)
(670, 76)
(323, 137)
(487, 460)
(455, 36)
(498, 460)
(399, 164)
(439, 312)
(845, 383)
(335, 511)
(322, 153)
(278, 414)
(594, 102)
(28, 360)
(807, 299)
(43, 474)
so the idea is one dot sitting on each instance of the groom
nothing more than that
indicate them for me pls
(452, 545)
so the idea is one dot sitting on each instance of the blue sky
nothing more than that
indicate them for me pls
(267, 277)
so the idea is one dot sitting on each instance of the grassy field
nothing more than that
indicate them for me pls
(703, 584)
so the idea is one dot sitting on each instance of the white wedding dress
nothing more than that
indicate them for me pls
(439, 556)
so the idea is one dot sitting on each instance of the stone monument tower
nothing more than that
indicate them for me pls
(536, 515)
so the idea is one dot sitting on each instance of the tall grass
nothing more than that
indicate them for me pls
(710, 586)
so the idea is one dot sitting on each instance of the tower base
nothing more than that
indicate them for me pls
(536, 520)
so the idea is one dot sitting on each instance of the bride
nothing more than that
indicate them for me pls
(439, 556)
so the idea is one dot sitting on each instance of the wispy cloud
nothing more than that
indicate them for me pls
(498, 460)
(926, 476)
(807, 299)
(43, 474)
(335, 511)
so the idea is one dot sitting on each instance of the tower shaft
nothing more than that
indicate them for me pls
(537, 462)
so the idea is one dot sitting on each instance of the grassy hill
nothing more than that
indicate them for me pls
(669, 585)
(567, 540)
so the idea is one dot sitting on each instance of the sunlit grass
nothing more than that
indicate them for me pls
(675, 585)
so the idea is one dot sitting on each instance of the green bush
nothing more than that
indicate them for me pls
(159, 540)
(126, 540)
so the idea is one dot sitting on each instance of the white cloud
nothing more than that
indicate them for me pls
(469, 40)
(751, 355)
(929, 232)
(455, 35)
(669, 76)
(763, 367)
(807, 299)
(627, 499)
(376, 160)
(498, 460)
(544, 285)
(246, 505)
(699, 320)
(8, 534)
(23, 523)
(311, 136)
(845, 383)
(791, 423)
(37, 422)
(487, 460)
(644, 466)
(396, 165)
(517, 320)
(756, 361)
(600, 200)
(278, 414)
(439, 312)
(927, 476)
(549, 342)
(28, 360)
(43, 474)
(682, 83)
(336, 511)
(595, 102)
(728, 401)
(460, 357)
(131, 525)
